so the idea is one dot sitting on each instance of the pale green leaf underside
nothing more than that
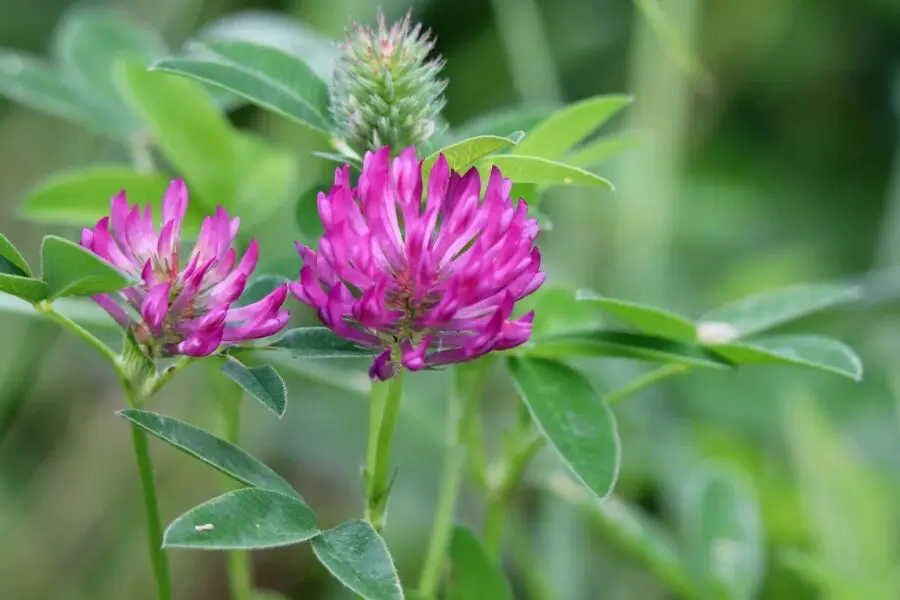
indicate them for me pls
(767, 310)
(812, 351)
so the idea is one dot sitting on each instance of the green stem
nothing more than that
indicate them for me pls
(646, 380)
(166, 375)
(461, 412)
(498, 502)
(141, 451)
(151, 508)
(85, 335)
(527, 49)
(240, 567)
(384, 407)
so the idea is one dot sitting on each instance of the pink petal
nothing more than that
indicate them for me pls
(155, 306)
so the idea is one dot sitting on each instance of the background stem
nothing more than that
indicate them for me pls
(461, 410)
(500, 496)
(24, 371)
(228, 399)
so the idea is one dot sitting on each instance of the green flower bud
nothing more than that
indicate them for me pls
(385, 92)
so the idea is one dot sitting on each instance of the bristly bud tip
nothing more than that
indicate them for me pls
(385, 90)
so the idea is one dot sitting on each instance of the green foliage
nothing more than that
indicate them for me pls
(318, 342)
(572, 417)
(561, 131)
(89, 42)
(474, 575)
(465, 153)
(262, 383)
(723, 537)
(26, 288)
(765, 311)
(266, 76)
(82, 197)
(11, 260)
(70, 270)
(307, 210)
(624, 344)
(248, 519)
(718, 331)
(266, 180)
(358, 557)
(850, 512)
(505, 121)
(532, 169)
(633, 532)
(802, 350)
(216, 452)
(655, 321)
(189, 129)
(593, 153)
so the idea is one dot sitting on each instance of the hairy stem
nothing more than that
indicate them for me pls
(384, 407)
(108, 353)
(151, 507)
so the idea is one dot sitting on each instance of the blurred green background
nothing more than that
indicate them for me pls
(769, 157)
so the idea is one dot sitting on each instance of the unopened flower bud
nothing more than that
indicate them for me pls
(385, 91)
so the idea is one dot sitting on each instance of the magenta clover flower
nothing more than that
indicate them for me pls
(429, 282)
(175, 310)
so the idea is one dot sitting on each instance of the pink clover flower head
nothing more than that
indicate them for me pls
(427, 281)
(181, 307)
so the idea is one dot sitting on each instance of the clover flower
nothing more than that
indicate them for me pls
(181, 307)
(427, 281)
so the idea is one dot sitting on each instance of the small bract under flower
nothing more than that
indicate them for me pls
(177, 310)
(429, 282)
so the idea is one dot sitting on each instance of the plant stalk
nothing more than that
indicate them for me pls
(461, 412)
(151, 507)
(141, 450)
(384, 407)
(500, 496)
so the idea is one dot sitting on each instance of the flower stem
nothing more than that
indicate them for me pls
(151, 508)
(107, 352)
(646, 380)
(461, 412)
(166, 375)
(141, 449)
(384, 406)
(500, 496)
